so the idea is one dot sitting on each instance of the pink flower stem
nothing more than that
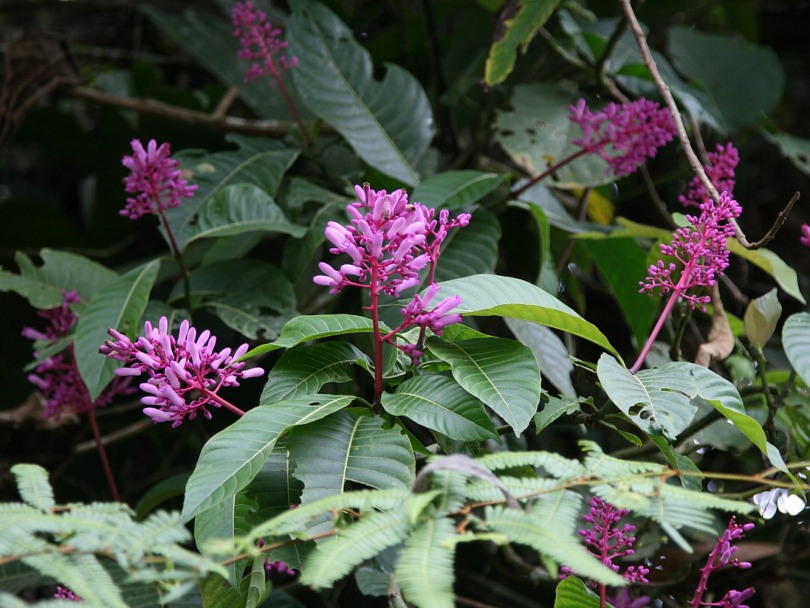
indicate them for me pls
(102, 453)
(291, 104)
(379, 339)
(703, 584)
(516, 193)
(178, 256)
(226, 404)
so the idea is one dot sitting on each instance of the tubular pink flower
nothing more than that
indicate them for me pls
(185, 373)
(805, 238)
(624, 135)
(57, 377)
(154, 178)
(259, 41)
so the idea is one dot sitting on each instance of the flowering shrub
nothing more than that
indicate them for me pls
(423, 300)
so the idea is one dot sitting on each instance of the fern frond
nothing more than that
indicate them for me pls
(33, 485)
(425, 567)
(553, 464)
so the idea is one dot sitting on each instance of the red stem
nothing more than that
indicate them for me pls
(102, 453)
(547, 172)
(374, 293)
(291, 104)
(703, 584)
(226, 404)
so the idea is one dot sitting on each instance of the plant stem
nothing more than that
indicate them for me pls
(178, 256)
(224, 403)
(657, 329)
(102, 453)
(374, 292)
(291, 104)
(555, 167)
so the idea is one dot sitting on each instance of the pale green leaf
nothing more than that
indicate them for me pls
(796, 340)
(33, 486)
(118, 305)
(502, 373)
(425, 566)
(311, 327)
(232, 458)
(440, 404)
(761, 318)
(572, 593)
(549, 350)
(389, 123)
(556, 407)
(795, 149)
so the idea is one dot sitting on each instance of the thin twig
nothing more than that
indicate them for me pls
(686, 144)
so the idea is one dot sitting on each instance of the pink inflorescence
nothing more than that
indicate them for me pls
(63, 593)
(722, 555)
(700, 250)
(624, 135)
(805, 238)
(390, 240)
(185, 373)
(259, 40)
(608, 542)
(720, 171)
(57, 376)
(155, 178)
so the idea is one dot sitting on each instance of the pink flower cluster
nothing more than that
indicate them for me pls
(155, 178)
(720, 171)
(259, 40)
(57, 377)
(390, 240)
(185, 373)
(624, 135)
(805, 238)
(722, 555)
(700, 250)
(63, 593)
(608, 542)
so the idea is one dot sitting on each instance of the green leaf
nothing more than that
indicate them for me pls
(517, 25)
(556, 407)
(346, 447)
(572, 593)
(240, 209)
(772, 264)
(305, 369)
(233, 457)
(223, 521)
(389, 123)
(743, 80)
(623, 264)
(118, 305)
(796, 340)
(60, 272)
(549, 350)
(502, 373)
(440, 404)
(258, 161)
(456, 189)
(312, 327)
(795, 149)
(487, 295)
(536, 133)
(33, 486)
(375, 532)
(425, 566)
(761, 318)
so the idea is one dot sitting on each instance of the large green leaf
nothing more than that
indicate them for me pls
(118, 305)
(502, 373)
(233, 457)
(425, 566)
(795, 149)
(346, 447)
(240, 209)
(487, 295)
(623, 264)
(389, 124)
(311, 327)
(549, 350)
(456, 189)
(572, 593)
(43, 286)
(258, 161)
(223, 521)
(305, 369)
(744, 81)
(796, 340)
(536, 133)
(440, 404)
(517, 25)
